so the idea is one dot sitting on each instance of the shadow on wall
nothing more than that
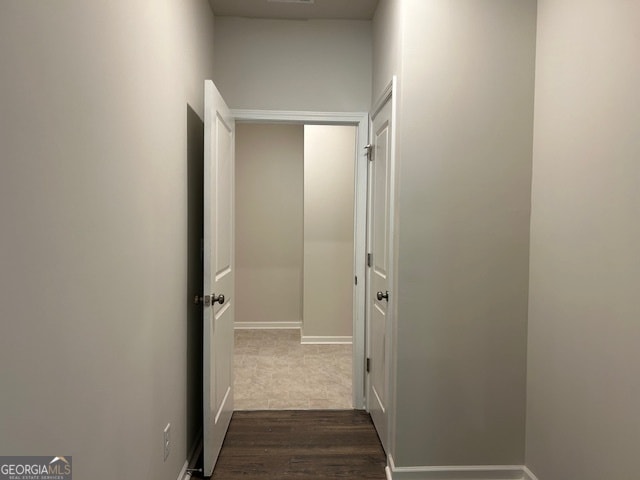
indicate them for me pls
(195, 175)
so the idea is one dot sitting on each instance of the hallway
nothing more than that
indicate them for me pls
(301, 445)
(514, 265)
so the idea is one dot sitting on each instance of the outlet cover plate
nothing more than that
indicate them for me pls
(167, 441)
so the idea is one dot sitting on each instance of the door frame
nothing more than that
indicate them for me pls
(361, 121)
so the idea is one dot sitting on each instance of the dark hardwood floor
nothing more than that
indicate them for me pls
(304, 444)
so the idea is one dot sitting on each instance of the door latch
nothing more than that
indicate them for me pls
(208, 300)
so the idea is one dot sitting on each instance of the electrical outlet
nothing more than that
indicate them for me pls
(167, 441)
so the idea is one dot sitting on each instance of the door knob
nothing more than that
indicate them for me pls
(217, 298)
(384, 295)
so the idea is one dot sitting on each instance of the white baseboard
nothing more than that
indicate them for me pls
(528, 474)
(387, 473)
(464, 472)
(266, 325)
(309, 340)
(191, 459)
(183, 471)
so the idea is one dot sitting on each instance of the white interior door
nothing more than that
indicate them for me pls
(378, 272)
(218, 311)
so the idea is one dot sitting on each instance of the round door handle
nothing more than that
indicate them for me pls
(217, 298)
(381, 296)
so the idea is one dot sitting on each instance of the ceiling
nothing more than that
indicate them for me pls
(334, 9)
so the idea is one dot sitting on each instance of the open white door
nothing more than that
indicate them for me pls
(378, 295)
(218, 257)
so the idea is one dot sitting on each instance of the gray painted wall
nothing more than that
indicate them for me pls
(584, 315)
(101, 103)
(386, 42)
(269, 224)
(329, 169)
(464, 167)
(271, 233)
(307, 65)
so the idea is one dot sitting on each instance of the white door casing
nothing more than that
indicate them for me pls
(379, 294)
(218, 285)
(361, 121)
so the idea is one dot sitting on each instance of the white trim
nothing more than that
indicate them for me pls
(387, 93)
(266, 325)
(459, 472)
(183, 471)
(315, 340)
(192, 458)
(387, 473)
(528, 474)
(361, 120)
(316, 118)
(393, 270)
(359, 263)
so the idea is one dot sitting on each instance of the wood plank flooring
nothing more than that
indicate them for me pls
(294, 444)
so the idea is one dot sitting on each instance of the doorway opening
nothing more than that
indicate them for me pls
(300, 259)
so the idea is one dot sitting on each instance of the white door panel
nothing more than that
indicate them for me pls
(218, 312)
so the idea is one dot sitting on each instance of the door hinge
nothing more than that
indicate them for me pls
(369, 151)
(356, 279)
(369, 259)
(368, 365)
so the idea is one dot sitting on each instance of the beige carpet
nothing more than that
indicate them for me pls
(274, 371)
